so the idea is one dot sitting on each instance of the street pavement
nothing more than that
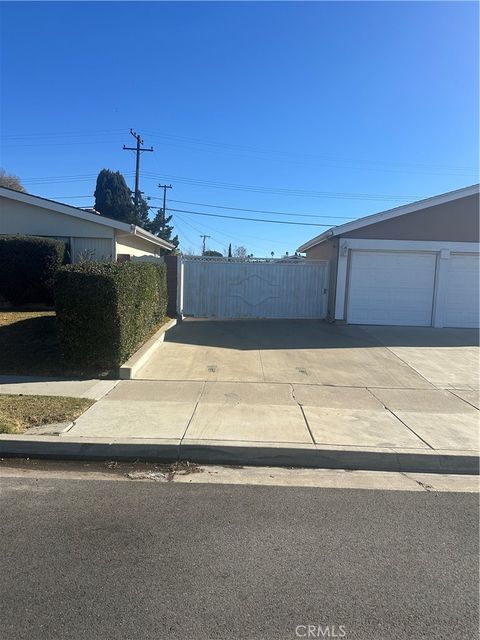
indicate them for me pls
(90, 559)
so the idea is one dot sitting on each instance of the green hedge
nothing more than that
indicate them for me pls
(106, 310)
(27, 268)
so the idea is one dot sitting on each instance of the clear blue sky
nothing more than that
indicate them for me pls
(329, 109)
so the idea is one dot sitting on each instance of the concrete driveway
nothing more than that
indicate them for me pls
(312, 352)
(308, 392)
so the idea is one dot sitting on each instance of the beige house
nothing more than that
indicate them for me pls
(86, 233)
(416, 264)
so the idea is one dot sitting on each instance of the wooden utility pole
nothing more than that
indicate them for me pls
(203, 246)
(164, 187)
(138, 150)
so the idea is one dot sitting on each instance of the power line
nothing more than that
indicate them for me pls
(66, 179)
(181, 232)
(198, 230)
(284, 191)
(215, 206)
(236, 147)
(229, 236)
(251, 149)
(91, 132)
(218, 215)
(278, 213)
(236, 187)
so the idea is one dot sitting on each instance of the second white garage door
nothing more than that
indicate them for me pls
(391, 288)
(462, 291)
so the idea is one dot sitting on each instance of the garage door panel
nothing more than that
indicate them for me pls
(391, 287)
(462, 298)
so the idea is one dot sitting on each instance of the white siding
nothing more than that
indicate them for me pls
(100, 249)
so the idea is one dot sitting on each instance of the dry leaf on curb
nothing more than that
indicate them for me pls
(148, 475)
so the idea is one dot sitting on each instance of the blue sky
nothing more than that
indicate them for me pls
(335, 110)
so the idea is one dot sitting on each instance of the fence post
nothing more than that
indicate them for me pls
(180, 275)
(172, 269)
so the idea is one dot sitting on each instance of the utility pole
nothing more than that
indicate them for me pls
(164, 187)
(138, 150)
(203, 247)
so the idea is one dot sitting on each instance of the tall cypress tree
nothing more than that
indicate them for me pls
(162, 228)
(113, 197)
(141, 218)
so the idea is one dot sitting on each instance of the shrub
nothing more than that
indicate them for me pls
(106, 310)
(27, 268)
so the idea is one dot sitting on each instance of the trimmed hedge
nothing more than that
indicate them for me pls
(106, 310)
(27, 268)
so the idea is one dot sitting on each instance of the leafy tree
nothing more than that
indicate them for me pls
(113, 197)
(160, 227)
(10, 180)
(230, 250)
(213, 254)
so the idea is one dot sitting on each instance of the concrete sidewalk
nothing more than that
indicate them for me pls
(35, 385)
(273, 424)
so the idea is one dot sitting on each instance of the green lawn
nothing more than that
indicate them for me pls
(18, 412)
(29, 346)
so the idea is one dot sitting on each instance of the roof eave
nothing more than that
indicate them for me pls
(60, 207)
(396, 212)
(77, 212)
(146, 235)
(317, 240)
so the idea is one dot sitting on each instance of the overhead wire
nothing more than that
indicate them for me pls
(278, 213)
(280, 190)
(236, 149)
(218, 215)
(230, 237)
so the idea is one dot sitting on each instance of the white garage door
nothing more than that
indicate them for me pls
(462, 296)
(391, 287)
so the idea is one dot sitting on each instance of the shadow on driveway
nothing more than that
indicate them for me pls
(311, 334)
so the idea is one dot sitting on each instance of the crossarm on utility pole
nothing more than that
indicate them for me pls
(138, 150)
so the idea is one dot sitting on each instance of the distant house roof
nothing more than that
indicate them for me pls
(390, 213)
(77, 212)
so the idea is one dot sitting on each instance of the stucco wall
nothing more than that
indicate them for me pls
(327, 250)
(456, 221)
(135, 246)
(21, 218)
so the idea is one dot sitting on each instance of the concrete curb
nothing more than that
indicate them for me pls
(259, 454)
(128, 370)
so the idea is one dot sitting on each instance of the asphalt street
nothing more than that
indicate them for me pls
(89, 559)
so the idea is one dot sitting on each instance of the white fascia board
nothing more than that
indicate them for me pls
(146, 235)
(409, 245)
(391, 213)
(317, 240)
(59, 207)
